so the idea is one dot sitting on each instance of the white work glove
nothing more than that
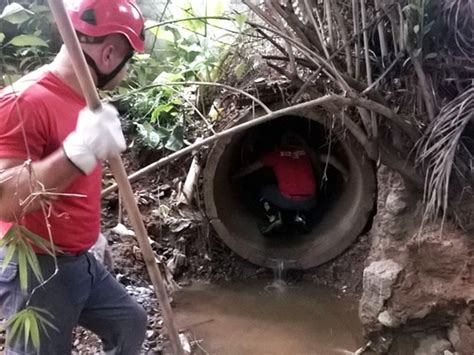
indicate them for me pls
(98, 136)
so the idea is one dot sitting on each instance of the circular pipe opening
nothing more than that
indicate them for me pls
(343, 207)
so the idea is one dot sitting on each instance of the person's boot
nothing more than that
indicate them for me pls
(274, 219)
(301, 223)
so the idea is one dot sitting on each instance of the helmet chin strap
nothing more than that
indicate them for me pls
(104, 79)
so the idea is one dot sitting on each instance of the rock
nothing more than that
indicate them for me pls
(157, 350)
(395, 203)
(378, 279)
(150, 334)
(185, 283)
(433, 345)
(387, 320)
(461, 334)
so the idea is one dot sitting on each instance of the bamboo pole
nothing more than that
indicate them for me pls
(356, 23)
(344, 37)
(328, 13)
(365, 35)
(93, 102)
(381, 32)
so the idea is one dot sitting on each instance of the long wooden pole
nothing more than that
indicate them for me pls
(93, 102)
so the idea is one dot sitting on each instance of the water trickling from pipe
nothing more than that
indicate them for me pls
(278, 285)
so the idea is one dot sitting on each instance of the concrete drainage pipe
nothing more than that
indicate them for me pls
(344, 206)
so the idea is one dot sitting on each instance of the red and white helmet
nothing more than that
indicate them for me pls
(98, 18)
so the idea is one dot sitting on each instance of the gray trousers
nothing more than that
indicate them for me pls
(83, 293)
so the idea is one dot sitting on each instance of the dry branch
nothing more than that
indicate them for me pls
(336, 99)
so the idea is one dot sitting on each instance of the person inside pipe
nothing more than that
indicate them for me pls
(296, 168)
(51, 149)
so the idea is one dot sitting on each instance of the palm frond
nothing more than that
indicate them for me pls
(459, 20)
(440, 151)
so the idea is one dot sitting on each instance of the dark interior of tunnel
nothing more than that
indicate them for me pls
(343, 206)
(262, 139)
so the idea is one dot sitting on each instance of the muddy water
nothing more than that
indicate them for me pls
(258, 319)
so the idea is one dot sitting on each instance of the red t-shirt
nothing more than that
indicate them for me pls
(293, 171)
(47, 108)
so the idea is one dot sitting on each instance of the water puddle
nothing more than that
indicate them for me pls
(265, 318)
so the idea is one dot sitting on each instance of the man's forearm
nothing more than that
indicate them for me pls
(52, 174)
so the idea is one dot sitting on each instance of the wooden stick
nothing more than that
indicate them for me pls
(328, 13)
(342, 28)
(187, 191)
(336, 99)
(356, 23)
(93, 102)
(381, 32)
(194, 171)
(365, 34)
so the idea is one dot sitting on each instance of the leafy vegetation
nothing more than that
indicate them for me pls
(26, 36)
(192, 48)
(18, 242)
(28, 323)
(409, 60)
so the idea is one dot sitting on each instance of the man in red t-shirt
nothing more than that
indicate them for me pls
(50, 142)
(295, 166)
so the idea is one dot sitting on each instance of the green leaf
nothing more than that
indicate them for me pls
(8, 256)
(38, 241)
(42, 318)
(2, 37)
(35, 337)
(240, 19)
(165, 78)
(10, 236)
(34, 264)
(161, 109)
(159, 32)
(14, 323)
(27, 41)
(22, 267)
(10, 69)
(28, 321)
(176, 140)
(153, 138)
(240, 70)
(15, 14)
(38, 9)
(27, 328)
